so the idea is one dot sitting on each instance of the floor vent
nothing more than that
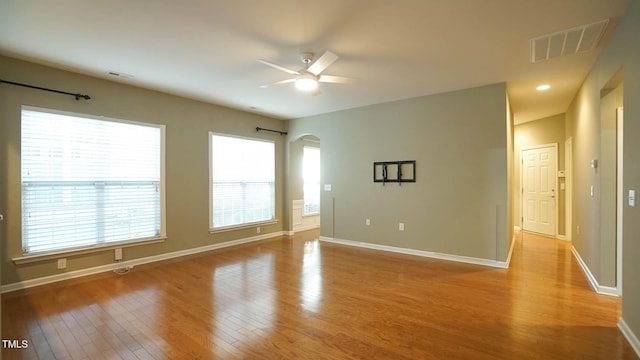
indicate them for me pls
(568, 42)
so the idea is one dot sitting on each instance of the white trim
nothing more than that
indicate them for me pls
(297, 212)
(422, 253)
(161, 236)
(629, 335)
(243, 226)
(561, 237)
(513, 243)
(603, 290)
(212, 228)
(89, 116)
(131, 263)
(568, 188)
(31, 258)
(517, 228)
(619, 195)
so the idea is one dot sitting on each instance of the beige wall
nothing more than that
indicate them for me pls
(459, 204)
(549, 130)
(610, 100)
(187, 172)
(595, 123)
(585, 126)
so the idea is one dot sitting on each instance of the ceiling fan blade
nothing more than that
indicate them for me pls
(336, 79)
(322, 63)
(289, 71)
(278, 83)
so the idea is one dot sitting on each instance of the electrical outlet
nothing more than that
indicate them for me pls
(118, 254)
(401, 226)
(367, 222)
(258, 230)
(62, 263)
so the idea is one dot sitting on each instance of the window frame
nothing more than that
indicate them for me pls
(219, 229)
(33, 256)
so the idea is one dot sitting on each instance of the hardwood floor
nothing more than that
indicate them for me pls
(298, 298)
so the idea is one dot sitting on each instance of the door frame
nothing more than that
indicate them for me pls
(619, 195)
(568, 188)
(533, 147)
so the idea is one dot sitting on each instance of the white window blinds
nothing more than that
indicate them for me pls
(88, 182)
(311, 178)
(242, 181)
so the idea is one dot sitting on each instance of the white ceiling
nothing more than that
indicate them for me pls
(207, 49)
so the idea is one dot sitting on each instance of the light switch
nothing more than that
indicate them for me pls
(632, 198)
(327, 187)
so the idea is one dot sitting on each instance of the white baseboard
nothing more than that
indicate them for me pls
(517, 228)
(149, 259)
(604, 290)
(561, 237)
(629, 335)
(422, 253)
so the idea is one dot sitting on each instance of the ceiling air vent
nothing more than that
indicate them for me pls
(119, 74)
(568, 42)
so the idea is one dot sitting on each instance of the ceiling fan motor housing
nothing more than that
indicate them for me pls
(306, 57)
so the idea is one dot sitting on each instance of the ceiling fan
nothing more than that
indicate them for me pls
(307, 78)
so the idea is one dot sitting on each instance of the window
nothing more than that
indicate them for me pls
(88, 182)
(311, 178)
(242, 181)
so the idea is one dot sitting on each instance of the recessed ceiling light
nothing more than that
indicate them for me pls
(543, 87)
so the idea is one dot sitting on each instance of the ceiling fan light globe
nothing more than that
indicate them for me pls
(306, 83)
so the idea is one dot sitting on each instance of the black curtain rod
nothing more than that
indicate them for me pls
(275, 131)
(77, 96)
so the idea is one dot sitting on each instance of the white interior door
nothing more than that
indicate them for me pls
(539, 167)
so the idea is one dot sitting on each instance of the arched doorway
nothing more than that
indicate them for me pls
(304, 183)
